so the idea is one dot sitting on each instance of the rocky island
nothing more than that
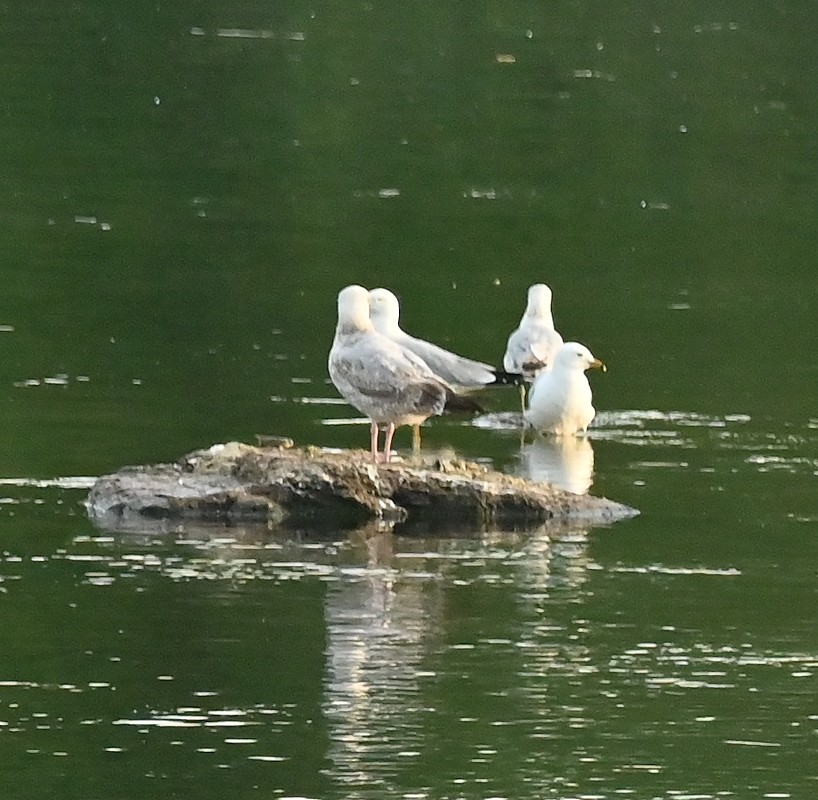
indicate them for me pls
(279, 484)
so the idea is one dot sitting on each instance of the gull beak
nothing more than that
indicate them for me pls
(599, 365)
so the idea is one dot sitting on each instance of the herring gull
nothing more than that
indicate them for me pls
(387, 383)
(533, 343)
(560, 400)
(463, 374)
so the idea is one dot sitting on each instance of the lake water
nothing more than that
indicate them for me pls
(185, 189)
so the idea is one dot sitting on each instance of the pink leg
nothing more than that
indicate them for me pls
(387, 447)
(374, 441)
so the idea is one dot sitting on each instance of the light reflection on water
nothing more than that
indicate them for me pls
(671, 657)
(567, 462)
(401, 635)
(635, 426)
(500, 664)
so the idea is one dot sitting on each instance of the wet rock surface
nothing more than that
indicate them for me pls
(313, 487)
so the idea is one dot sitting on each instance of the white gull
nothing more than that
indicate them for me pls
(560, 401)
(534, 342)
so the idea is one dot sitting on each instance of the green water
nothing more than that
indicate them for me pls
(185, 188)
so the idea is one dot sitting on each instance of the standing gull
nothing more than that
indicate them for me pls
(392, 386)
(560, 400)
(532, 345)
(463, 374)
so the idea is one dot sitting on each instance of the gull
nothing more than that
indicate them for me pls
(560, 400)
(463, 374)
(387, 383)
(533, 343)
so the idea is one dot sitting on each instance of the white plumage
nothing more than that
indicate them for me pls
(560, 401)
(532, 345)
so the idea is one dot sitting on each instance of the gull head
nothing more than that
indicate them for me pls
(384, 309)
(353, 309)
(576, 356)
(539, 301)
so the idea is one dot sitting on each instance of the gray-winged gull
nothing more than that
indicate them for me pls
(560, 401)
(463, 374)
(533, 343)
(387, 383)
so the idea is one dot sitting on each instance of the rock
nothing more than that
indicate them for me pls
(309, 487)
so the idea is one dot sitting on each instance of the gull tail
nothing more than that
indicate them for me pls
(503, 378)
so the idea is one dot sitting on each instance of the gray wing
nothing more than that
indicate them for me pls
(531, 345)
(517, 351)
(379, 378)
(450, 367)
(545, 347)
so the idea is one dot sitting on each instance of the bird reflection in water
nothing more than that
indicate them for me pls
(378, 622)
(565, 461)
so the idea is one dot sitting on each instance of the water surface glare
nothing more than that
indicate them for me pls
(186, 187)
(395, 631)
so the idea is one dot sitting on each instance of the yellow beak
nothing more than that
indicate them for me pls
(599, 365)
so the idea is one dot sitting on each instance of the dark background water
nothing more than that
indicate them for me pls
(186, 187)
